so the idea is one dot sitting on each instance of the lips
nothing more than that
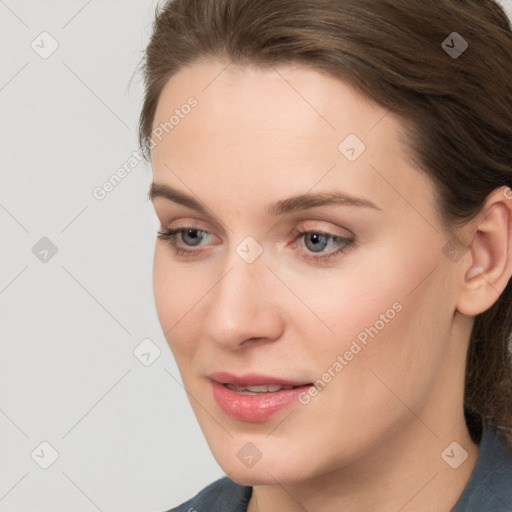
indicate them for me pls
(254, 379)
(254, 397)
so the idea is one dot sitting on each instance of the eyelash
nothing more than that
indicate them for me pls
(170, 236)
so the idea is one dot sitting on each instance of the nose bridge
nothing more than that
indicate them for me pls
(242, 280)
(240, 306)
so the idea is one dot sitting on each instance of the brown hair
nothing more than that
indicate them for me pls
(457, 108)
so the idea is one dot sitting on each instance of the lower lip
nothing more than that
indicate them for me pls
(255, 408)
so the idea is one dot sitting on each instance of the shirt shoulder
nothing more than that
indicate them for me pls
(490, 484)
(223, 495)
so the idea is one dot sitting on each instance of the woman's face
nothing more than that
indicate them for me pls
(372, 318)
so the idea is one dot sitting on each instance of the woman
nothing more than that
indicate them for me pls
(332, 270)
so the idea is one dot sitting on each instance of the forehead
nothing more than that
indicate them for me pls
(268, 98)
(286, 126)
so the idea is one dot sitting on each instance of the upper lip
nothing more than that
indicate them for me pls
(253, 379)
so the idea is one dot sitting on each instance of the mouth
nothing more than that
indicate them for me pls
(261, 389)
(255, 398)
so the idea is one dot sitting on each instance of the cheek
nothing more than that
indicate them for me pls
(393, 341)
(176, 292)
(358, 300)
(163, 286)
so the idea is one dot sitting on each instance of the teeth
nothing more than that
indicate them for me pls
(252, 390)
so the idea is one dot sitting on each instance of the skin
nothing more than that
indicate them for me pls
(372, 439)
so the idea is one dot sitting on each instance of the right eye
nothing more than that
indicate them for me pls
(189, 237)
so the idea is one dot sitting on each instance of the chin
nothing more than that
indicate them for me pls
(260, 477)
(264, 472)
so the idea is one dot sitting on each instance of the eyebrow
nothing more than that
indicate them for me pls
(282, 207)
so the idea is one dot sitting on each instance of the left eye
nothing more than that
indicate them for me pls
(317, 242)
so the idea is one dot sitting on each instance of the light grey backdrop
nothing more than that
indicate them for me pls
(92, 415)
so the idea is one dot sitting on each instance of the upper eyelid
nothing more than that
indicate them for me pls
(222, 228)
(198, 224)
(297, 231)
(161, 211)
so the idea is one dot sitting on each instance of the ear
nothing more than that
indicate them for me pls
(486, 274)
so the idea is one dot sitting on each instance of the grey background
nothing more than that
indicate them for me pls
(70, 322)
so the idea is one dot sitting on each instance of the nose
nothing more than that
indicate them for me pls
(244, 305)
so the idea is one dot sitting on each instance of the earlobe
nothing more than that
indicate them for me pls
(491, 256)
